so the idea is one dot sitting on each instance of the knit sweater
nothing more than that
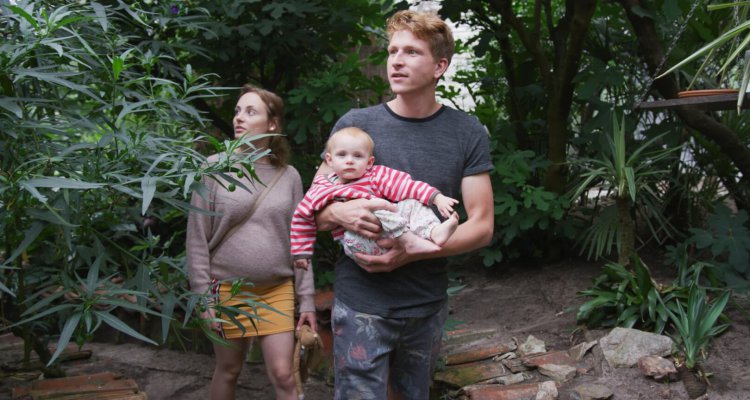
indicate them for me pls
(259, 250)
(378, 182)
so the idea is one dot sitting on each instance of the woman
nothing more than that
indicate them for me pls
(232, 246)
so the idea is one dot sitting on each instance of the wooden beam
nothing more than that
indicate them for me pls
(705, 103)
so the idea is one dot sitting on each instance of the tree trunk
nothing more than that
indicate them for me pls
(625, 231)
(557, 69)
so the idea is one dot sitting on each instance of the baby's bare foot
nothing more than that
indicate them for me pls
(414, 244)
(441, 233)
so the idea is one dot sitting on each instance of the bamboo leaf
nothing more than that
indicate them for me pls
(101, 15)
(148, 187)
(20, 11)
(29, 236)
(70, 326)
(60, 183)
(116, 323)
(57, 308)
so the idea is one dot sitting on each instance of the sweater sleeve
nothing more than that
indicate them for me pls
(397, 185)
(199, 228)
(304, 284)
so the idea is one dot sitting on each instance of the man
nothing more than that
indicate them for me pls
(389, 309)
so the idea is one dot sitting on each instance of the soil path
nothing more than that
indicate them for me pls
(516, 300)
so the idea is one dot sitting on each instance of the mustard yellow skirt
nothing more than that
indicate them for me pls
(255, 301)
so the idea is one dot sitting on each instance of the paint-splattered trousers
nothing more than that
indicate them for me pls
(372, 353)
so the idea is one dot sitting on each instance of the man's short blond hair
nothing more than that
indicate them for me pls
(353, 132)
(425, 26)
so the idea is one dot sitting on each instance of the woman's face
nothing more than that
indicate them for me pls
(251, 118)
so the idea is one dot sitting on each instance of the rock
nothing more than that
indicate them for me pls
(509, 379)
(515, 365)
(532, 345)
(591, 391)
(560, 373)
(547, 391)
(578, 351)
(657, 367)
(623, 347)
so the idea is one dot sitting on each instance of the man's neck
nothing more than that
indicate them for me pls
(414, 106)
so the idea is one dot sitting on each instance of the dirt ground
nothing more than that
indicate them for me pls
(518, 300)
(541, 300)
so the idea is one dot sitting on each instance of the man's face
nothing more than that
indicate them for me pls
(411, 66)
(350, 157)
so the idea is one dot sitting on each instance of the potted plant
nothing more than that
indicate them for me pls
(736, 48)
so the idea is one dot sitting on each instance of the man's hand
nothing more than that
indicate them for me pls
(395, 256)
(355, 216)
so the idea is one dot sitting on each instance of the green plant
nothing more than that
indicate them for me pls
(728, 241)
(522, 210)
(695, 324)
(97, 167)
(736, 48)
(628, 298)
(632, 179)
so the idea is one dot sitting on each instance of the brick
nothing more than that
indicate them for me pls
(552, 357)
(469, 373)
(522, 391)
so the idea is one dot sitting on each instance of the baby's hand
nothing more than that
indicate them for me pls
(302, 263)
(444, 204)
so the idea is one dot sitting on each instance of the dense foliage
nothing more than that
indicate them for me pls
(103, 106)
(97, 133)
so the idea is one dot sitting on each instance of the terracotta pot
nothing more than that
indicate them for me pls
(705, 92)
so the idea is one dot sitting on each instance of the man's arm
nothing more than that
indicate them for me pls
(353, 215)
(474, 233)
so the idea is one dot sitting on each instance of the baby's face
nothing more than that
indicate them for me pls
(350, 157)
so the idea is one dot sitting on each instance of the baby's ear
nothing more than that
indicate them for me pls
(329, 159)
(370, 161)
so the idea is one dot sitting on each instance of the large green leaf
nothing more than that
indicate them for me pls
(117, 323)
(70, 326)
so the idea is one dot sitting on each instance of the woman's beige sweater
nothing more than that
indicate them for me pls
(260, 249)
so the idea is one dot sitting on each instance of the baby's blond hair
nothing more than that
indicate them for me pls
(353, 132)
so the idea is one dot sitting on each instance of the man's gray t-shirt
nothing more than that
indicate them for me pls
(440, 150)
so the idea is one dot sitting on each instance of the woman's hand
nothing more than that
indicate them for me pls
(301, 263)
(210, 316)
(310, 318)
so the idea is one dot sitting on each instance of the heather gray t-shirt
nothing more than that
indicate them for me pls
(439, 150)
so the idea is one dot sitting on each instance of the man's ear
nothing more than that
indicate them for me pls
(440, 67)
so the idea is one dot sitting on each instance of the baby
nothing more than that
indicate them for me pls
(349, 152)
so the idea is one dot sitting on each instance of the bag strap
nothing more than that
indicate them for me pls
(254, 207)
